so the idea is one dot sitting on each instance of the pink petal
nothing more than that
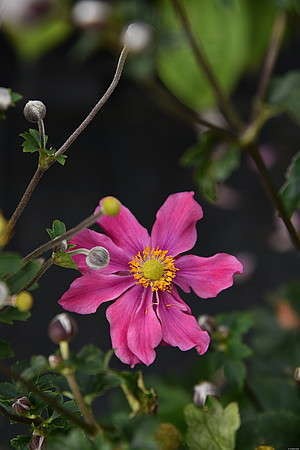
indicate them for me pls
(125, 231)
(144, 331)
(179, 327)
(207, 276)
(175, 225)
(87, 293)
(89, 239)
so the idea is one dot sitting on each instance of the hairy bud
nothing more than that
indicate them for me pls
(136, 37)
(98, 258)
(4, 293)
(21, 406)
(23, 301)
(62, 328)
(54, 361)
(110, 206)
(202, 391)
(34, 111)
(5, 99)
(91, 13)
(168, 437)
(37, 441)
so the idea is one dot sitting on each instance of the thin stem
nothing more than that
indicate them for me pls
(98, 106)
(20, 419)
(273, 194)
(65, 236)
(25, 198)
(270, 60)
(49, 400)
(40, 171)
(202, 60)
(42, 133)
(45, 266)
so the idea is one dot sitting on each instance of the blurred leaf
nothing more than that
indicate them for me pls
(38, 365)
(229, 53)
(15, 97)
(24, 276)
(290, 191)
(235, 372)
(212, 427)
(284, 94)
(20, 442)
(211, 162)
(10, 263)
(280, 429)
(238, 322)
(9, 314)
(141, 399)
(5, 350)
(77, 440)
(61, 159)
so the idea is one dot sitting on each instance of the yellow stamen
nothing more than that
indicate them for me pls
(153, 268)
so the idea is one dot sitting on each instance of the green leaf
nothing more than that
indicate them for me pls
(77, 440)
(10, 263)
(58, 228)
(31, 141)
(212, 427)
(284, 94)
(235, 372)
(5, 350)
(290, 191)
(229, 53)
(10, 314)
(24, 276)
(63, 259)
(20, 442)
(280, 429)
(211, 162)
(15, 97)
(61, 159)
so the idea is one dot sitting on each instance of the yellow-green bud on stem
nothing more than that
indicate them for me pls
(264, 447)
(23, 301)
(168, 437)
(110, 206)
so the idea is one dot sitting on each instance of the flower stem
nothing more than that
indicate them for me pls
(202, 60)
(269, 63)
(273, 194)
(90, 220)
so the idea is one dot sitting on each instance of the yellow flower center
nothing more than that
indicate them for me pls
(153, 267)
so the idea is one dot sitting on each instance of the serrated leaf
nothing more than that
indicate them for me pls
(31, 141)
(290, 191)
(9, 314)
(284, 94)
(5, 350)
(141, 399)
(212, 427)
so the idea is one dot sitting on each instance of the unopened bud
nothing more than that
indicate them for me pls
(4, 230)
(98, 258)
(207, 323)
(137, 37)
(5, 99)
(62, 328)
(91, 13)
(23, 301)
(110, 206)
(21, 406)
(37, 441)
(168, 437)
(54, 361)
(297, 374)
(34, 111)
(202, 391)
(4, 293)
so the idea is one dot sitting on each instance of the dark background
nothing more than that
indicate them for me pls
(131, 151)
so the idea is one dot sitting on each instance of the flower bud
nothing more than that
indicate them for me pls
(136, 37)
(202, 391)
(4, 230)
(36, 442)
(91, 13)
(23, 301)
(4, 293)
(5, 99)
(21, 406)
(168, 437)
(62, 328)
(54, 361)
(207, 323)
(110, 206)
(297, 374)
(98, 258)
(34, 111)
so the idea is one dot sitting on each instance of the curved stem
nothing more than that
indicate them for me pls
(273, 194)
(201, 58)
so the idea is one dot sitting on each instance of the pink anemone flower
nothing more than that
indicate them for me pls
(142, 278)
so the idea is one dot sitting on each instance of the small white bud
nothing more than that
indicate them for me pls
(90, 13)
(34, 111)
(202, 391)
(64, 245)
(136, 37)
(98, 258)
(4, 294)
(5, 99)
